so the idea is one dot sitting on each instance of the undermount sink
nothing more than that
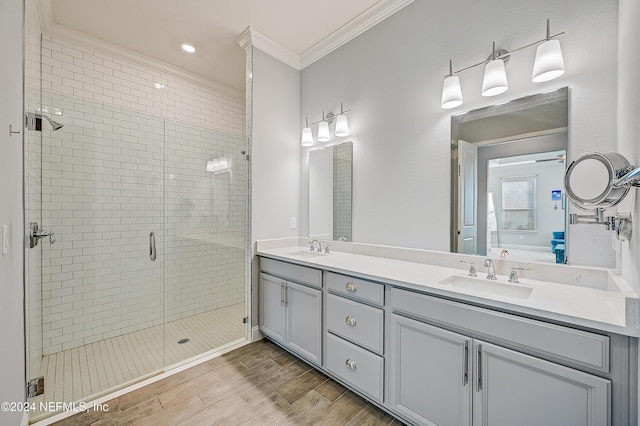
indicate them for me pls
(307, 253)
(483, 285)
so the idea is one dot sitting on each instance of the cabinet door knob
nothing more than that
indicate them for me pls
(350, 320)
(351, 364)
(351, 286)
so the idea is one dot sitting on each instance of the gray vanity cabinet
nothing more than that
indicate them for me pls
(304, 320)
(430, 373)
(272, 312)
(291, 307)
(513, 388)
(444, 377)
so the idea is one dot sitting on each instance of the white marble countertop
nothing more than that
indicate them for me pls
(613, 307)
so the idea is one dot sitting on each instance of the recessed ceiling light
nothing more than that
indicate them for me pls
(188, 47)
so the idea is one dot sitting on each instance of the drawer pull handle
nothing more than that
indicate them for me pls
(351, 286)
(351, 364)
(350, 321)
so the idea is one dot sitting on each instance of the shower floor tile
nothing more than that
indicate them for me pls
(79, 374)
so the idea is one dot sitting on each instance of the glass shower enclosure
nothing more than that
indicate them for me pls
(142, 237)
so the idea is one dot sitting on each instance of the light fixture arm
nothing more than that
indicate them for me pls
(329, 118)
(504, 54)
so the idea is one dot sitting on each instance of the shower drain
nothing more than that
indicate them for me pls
(181, 341)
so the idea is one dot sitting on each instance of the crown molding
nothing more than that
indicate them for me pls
(51, 28)
(251, 37)
(361, 23)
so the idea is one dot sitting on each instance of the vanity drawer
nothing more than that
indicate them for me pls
(356, 366)
(289, 271)
(563, 344)
(355, 288)
(356, 322)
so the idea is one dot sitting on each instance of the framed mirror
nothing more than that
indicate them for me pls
(330, 192)
(508, 163)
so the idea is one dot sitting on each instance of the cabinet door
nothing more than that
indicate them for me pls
(304, 319)
(272, 308)
(430, 373)
(511, 388)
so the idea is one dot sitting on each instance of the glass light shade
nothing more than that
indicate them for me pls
(216, 164)
(210, 165)
(223, 163)
(451, 92)
(495, 78)
(549, 63)
(307, 137)
(342, 126)
(323, 132)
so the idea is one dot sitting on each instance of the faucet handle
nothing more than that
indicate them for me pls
(311, 245)
(326, 249)
(472, 268)
(513, 275)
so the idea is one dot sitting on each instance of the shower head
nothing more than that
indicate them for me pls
(54, 124)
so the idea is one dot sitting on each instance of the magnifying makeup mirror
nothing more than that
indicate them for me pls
(589, 180)
(598, 181)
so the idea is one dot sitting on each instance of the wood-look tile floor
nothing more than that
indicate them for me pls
(78, 374)
(258, 384)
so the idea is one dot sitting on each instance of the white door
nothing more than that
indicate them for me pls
(468, 197)
(511, 388)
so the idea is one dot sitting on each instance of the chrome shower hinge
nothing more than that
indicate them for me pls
(35, 387)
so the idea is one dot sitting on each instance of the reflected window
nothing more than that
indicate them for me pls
(518, 203)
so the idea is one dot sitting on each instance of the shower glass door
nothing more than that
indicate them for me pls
(204, 242)
(99, 294)
(148, 267)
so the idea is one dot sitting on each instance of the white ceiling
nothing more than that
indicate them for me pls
(156, 27)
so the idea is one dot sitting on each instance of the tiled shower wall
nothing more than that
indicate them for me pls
(131, 160)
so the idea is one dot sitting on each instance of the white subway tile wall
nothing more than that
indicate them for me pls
(131, 160)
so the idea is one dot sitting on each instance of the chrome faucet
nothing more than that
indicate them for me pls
(313, 245)
(491, 269)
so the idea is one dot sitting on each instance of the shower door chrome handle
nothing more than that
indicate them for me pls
(152, 246)
(35, 234)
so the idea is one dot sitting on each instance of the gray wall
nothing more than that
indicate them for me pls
(391, 78)
(12, 355)
(275, 153)
(628, 131)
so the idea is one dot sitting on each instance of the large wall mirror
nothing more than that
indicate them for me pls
(330, 190)
(507, 169)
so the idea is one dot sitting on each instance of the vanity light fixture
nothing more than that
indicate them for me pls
(324, 134)
(218, 165)
(548, 65)
(342, 125)
(307, 137)
(323, 130)
(495, 76)
(451, 90)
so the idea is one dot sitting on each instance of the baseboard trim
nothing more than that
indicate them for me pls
(256, 334)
